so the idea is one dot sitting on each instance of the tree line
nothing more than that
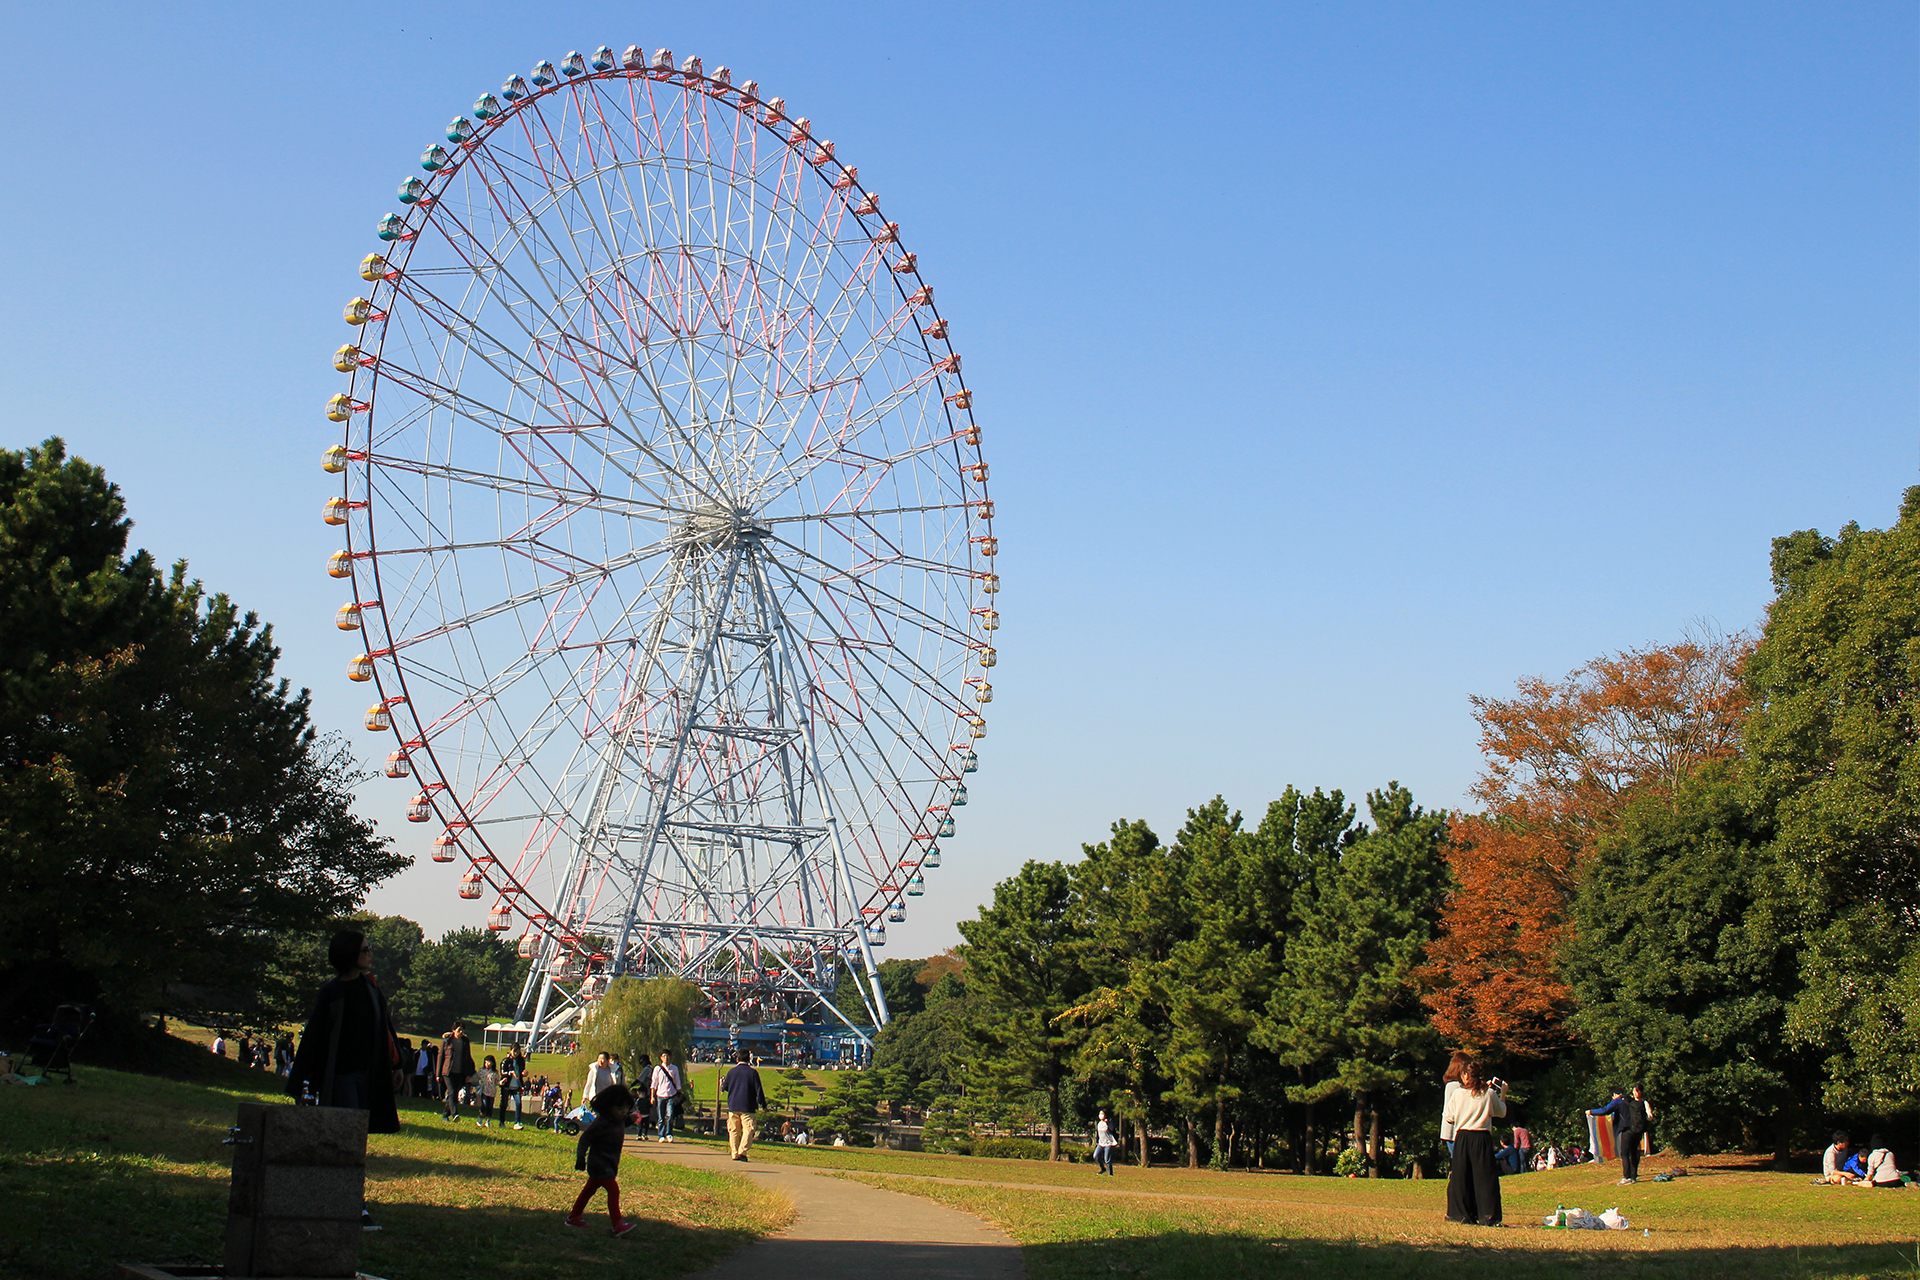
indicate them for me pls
(1694, 866)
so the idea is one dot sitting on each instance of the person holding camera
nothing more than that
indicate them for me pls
(1473, 1187)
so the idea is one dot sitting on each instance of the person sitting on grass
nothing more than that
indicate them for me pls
(598, 1155)
(1833, 1161)
(1880, 1171)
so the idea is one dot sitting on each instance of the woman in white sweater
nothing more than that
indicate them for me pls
(1452, 1082)
(1473, 1190)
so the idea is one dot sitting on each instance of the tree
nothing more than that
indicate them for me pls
(899, 982)
(166, 810)
(921, 1056)
(1681, 969)
(1562, 761)
(1130, 914)
(1833, 751)
(1346, 1010)
(1021, 972)
(467, 973)
(1219, 975)
(637, 1018)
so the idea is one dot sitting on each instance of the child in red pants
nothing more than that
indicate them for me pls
(598, 1153)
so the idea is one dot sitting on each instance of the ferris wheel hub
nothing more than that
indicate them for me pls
(717, 526)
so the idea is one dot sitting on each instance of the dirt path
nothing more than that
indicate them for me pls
(848, 1228)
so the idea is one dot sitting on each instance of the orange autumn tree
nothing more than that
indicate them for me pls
(1562, 759)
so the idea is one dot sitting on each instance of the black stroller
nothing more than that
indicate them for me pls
(52, 1044)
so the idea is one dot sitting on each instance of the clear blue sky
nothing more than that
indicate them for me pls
(1336, 362)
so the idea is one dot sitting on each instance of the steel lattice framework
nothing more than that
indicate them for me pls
(669, 535)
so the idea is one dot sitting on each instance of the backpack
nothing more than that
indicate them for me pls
(1636, 1116)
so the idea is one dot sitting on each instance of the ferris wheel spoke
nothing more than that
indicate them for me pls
(528, 380)
(589, 499)
(901, 608)
(477, 247)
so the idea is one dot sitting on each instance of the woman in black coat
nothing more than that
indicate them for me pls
(349, 1055)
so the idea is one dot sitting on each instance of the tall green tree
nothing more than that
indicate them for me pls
(1129, 909)
(1346, 1012)
(638, 1018)
(1833, 752)
(467, 973)
(166, 809)
(922, 1056)
(1220, 974)
(1023, 975)
(1683, 972)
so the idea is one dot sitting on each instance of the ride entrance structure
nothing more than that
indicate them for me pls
(668, 535)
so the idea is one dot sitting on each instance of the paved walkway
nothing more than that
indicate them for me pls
(848, 1228)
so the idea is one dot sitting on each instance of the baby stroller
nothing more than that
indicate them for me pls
(574, 1121)
(552, 1111)
(52, 1043)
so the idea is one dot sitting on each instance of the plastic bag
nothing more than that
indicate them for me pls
(1612, 1220)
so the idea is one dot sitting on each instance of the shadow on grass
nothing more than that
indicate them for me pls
(1187, 1256)
(76, 1215)
(509, 1243)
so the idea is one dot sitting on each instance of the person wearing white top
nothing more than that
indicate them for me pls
(1103, 1144)
(1833, 1158)
(1473, 1189)
(1452, 1079)
(1880, 1170)
(663, 1086)
(599, 1076)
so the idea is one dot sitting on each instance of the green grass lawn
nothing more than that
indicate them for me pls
(1723, 1221)
(127, 1168)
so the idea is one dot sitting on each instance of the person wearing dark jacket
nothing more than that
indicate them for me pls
(598, 1155)
(456, 1066)
(744, 1097)
(349, 1055)
(1629, 1126)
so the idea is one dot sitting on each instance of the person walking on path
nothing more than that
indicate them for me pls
(1629, 1126)
(600, 1075)
(745, 1095)
(456, 1066)
(664, 1084)
(598, 1155)
(349, 1056)
(1473, 1189)
(1103, 1144)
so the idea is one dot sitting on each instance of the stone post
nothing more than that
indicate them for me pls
(299, 1184)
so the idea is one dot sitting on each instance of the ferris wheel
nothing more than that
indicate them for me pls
(668, 534)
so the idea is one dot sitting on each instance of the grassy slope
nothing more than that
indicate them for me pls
(130, 1168)
(1723, 1221)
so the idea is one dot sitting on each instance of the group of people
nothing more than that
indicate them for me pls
(666, 1089)
(257, 1052)
(1844, 1165)
(1475, 1098)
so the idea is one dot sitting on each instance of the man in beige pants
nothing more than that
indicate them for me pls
(744, 1097)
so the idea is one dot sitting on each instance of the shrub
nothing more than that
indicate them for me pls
(1027, 1149)
(1352, 1160)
